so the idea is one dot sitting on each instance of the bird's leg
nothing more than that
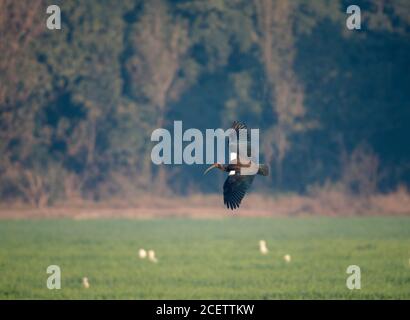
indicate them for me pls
(215, 165)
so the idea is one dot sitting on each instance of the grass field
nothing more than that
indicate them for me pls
(206, 259)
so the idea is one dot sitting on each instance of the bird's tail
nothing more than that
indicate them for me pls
(263, 169)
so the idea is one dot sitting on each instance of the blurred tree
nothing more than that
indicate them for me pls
(159, 44)
(78, 105)
(275, 20)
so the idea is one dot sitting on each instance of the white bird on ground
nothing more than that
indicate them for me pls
(262, 247)
(151, 256)
(287, 258)
(142, 253)
(86, 284)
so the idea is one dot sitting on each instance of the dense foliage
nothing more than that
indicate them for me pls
(78, 105)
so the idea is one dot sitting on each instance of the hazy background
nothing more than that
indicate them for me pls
(78, 105)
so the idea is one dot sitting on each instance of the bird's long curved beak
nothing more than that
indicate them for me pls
(210, 168)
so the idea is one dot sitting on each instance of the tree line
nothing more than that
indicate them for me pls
(78, 105)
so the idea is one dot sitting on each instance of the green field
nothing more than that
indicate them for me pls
(206, 259)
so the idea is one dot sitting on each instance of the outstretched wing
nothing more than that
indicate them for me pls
(242, 140)
(237, 125)
(235, 187)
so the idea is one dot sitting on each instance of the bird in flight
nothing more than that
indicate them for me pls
(236, 185)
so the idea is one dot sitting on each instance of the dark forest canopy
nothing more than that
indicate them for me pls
(78, 105)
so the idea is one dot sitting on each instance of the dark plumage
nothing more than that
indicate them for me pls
(236, 185)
